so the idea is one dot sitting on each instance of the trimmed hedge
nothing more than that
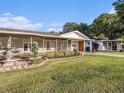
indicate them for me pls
(36, 61)
(60, 54)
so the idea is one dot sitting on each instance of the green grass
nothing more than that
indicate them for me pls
(119, 53)
(88, 74)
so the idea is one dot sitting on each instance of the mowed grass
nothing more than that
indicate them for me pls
(88, 74)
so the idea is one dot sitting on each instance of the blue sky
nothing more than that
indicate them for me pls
(46, 15)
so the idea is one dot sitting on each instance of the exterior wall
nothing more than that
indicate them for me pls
(75, 45)
(101, 46)
(18, 44)
(54, 44)
(109, 45)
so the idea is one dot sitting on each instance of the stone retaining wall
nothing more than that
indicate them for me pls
(20, 65)
(23, 64)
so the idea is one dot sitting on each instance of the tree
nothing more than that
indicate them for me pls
(70, 26)
(105, 25)
(119, 7)
(83, 28)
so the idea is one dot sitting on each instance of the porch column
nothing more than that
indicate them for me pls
(61, 44)
(90, 46)
(67, 45)
(84, 45)
(43, 42)
(117, 46)
(107, 46)
(56, 45)
(71, 46)
(9, 42)
(31, 43)
(9, 51)
(111, 46)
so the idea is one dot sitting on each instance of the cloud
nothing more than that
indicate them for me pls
(112, 11)
(57, 27)
(8, 20)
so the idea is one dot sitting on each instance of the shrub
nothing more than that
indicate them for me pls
(36, 61)
(26, 54)
(68, 53)
(60, 54)
(35, 49)
(50, 55)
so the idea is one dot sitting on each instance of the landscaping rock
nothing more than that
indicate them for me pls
(8, 68)
(14, 68)
(2, 69)
(19, 67)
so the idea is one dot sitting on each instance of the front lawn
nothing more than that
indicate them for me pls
(88, 74)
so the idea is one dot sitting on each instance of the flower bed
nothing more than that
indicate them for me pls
(64, 54)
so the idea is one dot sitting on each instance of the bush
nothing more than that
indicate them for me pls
(50, 55)
(68, 53)
(35, 49)
(60, 54)
(26, 55)
(36, 61)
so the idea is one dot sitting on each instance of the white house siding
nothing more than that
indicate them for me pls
(71, 35)
(101, 46)
(74, 45)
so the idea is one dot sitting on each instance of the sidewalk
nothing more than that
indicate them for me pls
(103, 54)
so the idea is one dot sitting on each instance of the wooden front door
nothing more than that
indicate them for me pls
(81, 46)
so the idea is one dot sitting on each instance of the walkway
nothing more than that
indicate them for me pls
(103, 54)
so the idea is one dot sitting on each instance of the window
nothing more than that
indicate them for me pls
(26, 46)
(48, 45)
(0, 45)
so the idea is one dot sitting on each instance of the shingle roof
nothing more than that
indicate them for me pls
(28, 31)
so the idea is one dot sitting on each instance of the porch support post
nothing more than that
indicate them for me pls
(31, 41)
(118, 46)
(84, 46)
(90, 46)
(56, 45)
(43, 42)
(9, 46)
(61, 44)
(107, 46)
(111, 45)
(10, 41)
(71, 46)
(67, 45)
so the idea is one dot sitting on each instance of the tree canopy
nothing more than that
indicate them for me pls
(109, 26)
(70, 26)
(119, 7)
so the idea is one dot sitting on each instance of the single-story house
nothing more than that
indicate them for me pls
(109, 45)
(21, 40)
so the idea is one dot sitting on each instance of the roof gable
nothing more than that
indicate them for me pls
(75, 35)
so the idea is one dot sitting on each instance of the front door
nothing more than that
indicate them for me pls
(81, 46)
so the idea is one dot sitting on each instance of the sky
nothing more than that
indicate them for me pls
(49, 15)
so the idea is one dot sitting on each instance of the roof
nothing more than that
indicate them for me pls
(109, 40)
(28, 31)
(75, 35)
(80, 36)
